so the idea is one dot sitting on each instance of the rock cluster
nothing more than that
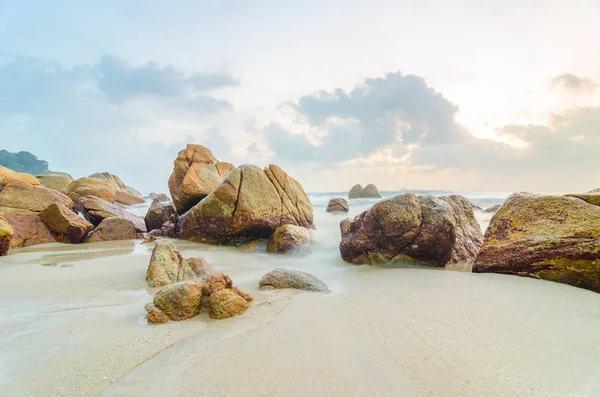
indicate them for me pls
(434, 231)
(369, 191)
(167, 266)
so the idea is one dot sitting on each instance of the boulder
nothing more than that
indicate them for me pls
(289, 238)
(6, 233)
(161, 197)
(226, 303)
(167, 266)
(288, 278)
(179, 301)
(22, 198)
(121, 186)
(196, 173)
(493, 208)
(67, 226)
(59, 181)
(355, 192)
(434, 231)
(8, 176)
(338, 205)
(158, 214)
(370, 191)
(250, 204)
(113, 229)
(554, 238)
(98, 187)
(29, 229)
(96, 210)
(127, 198)
(214, 293)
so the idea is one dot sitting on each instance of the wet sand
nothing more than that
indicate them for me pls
(395, 330)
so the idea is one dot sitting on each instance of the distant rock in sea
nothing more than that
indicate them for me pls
(369, 191)
(554, 238)
(434, 231)
(337, 205)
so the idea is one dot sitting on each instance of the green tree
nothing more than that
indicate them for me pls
(23, 162)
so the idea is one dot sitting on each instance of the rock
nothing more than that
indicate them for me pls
(96, 210)
(167, 266)
(29, 230)
(158, 214)
(98, 187)
(21, 198)
(370, 191)
(288, 278)
(8, 176)
(355, 192)
(493, 208)
(155, 315)
(113, 229)
(6, 233)
(554, 238)
(288, 238)
(121, 186)
(128, 199)
(59, 181)
(250, 204)
(65, 224)
(435, 231)
(179, 301)
(149, 239)
(196, 173)
(215, 282)
(226, 303)
(338, 205)
(592, 197)
(160, 198)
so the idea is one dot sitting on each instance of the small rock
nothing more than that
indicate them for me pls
(226, 303)
(288, 238)
(160, 198)
(289, 278)
(155, 315)
(181, 300)
(338, 205)
(493, 208)
(149, 239)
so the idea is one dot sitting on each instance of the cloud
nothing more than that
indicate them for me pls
(573, 83)
(387, 112)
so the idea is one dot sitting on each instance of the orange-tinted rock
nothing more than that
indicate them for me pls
(250, 204)
(289, 278)
(167, 266)
(29, 229)
(121, 186)
(113, 229)
(8, 176)
(65, 224)
(102, 188)
(158, 214)
(226, 303)
(128, 198)
(154, 315)
(6, 233)
(181, 300)
(196, 173)
(22, 198)
(59, 181)
(288, 238)
(96, 210)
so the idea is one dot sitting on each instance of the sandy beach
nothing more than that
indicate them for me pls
(73, 324)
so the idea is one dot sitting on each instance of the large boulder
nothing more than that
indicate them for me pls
(434, 231)
(29, 229)
(98, 187)
(337, 205)
(250, 204)
(55, 180)
(167, 266)
(65, 223)
(555, 238)
(289, 278)
(288, 238)
(8, 176)
(23, 198)
(6, 233)
(120, 184)
(158, 214)
(96, 210)
(214, 293)
(196, 173)
(355, 192)
(113, 229)
(370, 191)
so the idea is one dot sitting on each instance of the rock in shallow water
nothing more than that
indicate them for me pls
(250, 204)
(181, 300)
(337, 205)
(434, 231)
(167, 266)
(289, 278)
(554, 238)
(226, 303)
(288, 238)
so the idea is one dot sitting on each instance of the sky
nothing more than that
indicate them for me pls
(471, 95)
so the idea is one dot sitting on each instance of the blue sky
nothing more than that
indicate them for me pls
(416, 94)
